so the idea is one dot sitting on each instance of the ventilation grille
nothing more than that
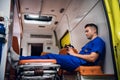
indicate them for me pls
(41, 26)
(40, 36)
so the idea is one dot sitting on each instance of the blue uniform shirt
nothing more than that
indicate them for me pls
(96, 45)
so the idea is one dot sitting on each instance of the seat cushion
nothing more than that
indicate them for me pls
(90, 70)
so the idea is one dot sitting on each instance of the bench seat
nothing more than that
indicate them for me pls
(93, 73)
(90, 70)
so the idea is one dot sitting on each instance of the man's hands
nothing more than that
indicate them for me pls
(71, 51)
(92, 57)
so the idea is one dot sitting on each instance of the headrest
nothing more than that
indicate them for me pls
(15, 44)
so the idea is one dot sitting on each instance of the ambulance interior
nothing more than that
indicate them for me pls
(40, 25)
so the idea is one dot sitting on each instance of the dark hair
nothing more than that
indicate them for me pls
(92, 25)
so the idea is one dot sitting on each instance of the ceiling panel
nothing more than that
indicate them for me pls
(43, 7)
(30, 6)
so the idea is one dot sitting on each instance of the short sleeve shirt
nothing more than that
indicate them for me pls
(96, 45)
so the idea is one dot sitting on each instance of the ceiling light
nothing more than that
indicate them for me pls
(32, 16)
(36, 19)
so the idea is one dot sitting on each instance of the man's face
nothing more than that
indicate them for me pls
(89, 31)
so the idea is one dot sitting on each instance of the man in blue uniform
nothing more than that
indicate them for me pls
(90, 54)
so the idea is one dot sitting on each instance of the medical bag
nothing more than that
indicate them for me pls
(2, 38)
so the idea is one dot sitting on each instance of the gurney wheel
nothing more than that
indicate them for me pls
(57, 77)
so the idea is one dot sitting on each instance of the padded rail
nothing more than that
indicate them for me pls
(21, 62)
(38, 77)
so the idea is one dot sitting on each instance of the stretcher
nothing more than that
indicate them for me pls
(38, 69)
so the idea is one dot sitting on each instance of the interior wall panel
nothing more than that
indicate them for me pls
(77, 10)
(62, 27)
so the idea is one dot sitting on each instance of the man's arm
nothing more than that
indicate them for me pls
(90, 57)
